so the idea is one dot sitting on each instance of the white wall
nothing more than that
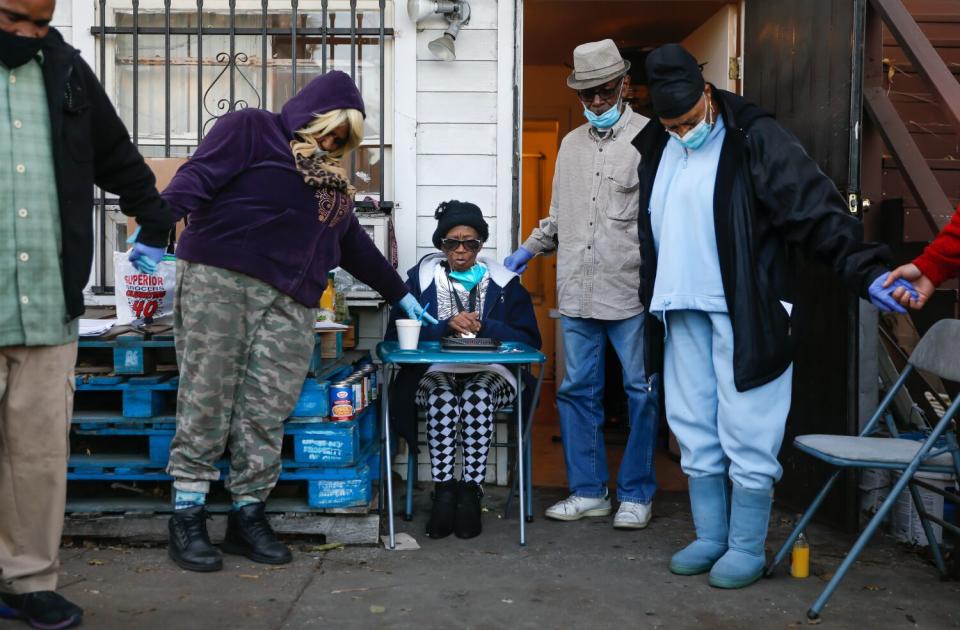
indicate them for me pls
(462, 126)
(62, 19)
(715, 42)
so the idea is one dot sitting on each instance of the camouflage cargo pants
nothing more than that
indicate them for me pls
(243, 349)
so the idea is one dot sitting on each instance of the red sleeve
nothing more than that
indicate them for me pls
(940, 261)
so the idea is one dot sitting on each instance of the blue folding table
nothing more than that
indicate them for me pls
(516, 355)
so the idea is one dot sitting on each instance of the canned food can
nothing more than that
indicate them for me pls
(373, 384)
(342, 402)
(357, 396)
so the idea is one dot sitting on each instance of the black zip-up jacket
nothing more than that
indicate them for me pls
(91, 147)
(770, 196)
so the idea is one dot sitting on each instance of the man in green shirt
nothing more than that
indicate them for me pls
(59, 136)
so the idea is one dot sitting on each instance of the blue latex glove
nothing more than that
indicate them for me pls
(882, 298)
(517, 261)
(144, 257)
(414, 311)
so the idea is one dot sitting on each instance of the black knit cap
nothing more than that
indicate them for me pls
(676, 82)
(452, 213)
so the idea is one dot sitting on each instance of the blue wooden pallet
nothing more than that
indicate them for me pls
(314, 400)
(131, 354)
(333, 443)
(150, 396)
(314, 441)
(327, 487)
(138, 396)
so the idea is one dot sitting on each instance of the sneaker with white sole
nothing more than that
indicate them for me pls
(633, 515)
(574, 508)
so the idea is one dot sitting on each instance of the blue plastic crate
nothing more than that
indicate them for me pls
(332, 443)
(340, 493)
(349, 486)
(314, 401)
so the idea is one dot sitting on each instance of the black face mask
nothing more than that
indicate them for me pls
(16, 50)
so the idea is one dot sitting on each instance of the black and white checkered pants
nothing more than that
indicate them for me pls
(461, 406)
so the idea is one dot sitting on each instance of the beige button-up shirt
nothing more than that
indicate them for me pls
(593, 222)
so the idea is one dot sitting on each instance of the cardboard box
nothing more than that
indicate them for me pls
(350, 337)
(331, 344)
(163, 169)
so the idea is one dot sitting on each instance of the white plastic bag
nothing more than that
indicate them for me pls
(142, 295)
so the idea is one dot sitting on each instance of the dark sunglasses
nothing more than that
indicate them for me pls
(605, 93)
(451, 244)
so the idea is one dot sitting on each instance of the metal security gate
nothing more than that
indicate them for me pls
(172, 68)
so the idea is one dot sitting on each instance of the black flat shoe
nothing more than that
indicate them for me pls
(444, 509)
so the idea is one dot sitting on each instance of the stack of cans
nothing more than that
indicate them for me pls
(352, 395)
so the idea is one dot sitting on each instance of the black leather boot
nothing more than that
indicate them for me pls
(190, 545)
(249, 534)
(469, 509)
(444, 509)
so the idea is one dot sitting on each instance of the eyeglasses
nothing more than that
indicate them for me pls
(451, 244)
(606, 94)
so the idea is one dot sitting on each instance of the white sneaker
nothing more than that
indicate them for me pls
(574, 508)
(633, 515)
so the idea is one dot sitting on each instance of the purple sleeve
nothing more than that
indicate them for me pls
(360, 256)
(225, 152)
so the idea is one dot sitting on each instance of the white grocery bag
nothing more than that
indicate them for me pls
(141, 295)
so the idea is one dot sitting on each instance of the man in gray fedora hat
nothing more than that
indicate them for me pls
(593, 228)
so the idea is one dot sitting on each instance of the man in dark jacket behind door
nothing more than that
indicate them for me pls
(59, 135)
(723, 190)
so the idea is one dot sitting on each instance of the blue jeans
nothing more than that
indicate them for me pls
(580, 403)
(721, 431)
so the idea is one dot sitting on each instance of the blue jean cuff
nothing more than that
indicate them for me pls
(621, 499)
(588, 495)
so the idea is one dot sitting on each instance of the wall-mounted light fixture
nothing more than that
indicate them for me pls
(457, 14)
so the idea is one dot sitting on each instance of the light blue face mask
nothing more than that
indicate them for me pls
(471, 277)
(606, 120)
(695, 138)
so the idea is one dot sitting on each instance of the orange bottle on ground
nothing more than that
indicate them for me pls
(800, 558)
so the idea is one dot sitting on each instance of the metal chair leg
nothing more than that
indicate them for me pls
(528, 463)
(411, 483)
(858, 546)
(801, 525)
(928, 531)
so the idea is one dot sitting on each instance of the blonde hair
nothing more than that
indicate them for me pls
(307, 138)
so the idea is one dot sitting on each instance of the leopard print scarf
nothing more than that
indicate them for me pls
(334, 194)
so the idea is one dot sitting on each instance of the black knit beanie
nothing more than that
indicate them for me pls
(452, 213)
(676, 81)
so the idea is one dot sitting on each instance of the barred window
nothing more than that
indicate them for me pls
(173, 67)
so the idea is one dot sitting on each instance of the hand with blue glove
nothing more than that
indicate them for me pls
(881, 296)
(145, 257)
(517, 261)
(414, 311)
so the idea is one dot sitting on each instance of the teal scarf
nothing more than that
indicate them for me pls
(471, 277)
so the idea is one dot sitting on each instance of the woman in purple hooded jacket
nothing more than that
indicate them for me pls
(270, 213)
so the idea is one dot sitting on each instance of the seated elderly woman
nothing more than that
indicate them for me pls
(470, 295)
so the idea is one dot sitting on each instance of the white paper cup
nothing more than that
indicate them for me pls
(408, 333)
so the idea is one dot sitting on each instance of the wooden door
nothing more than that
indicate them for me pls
(798, 65)
(541, 142)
